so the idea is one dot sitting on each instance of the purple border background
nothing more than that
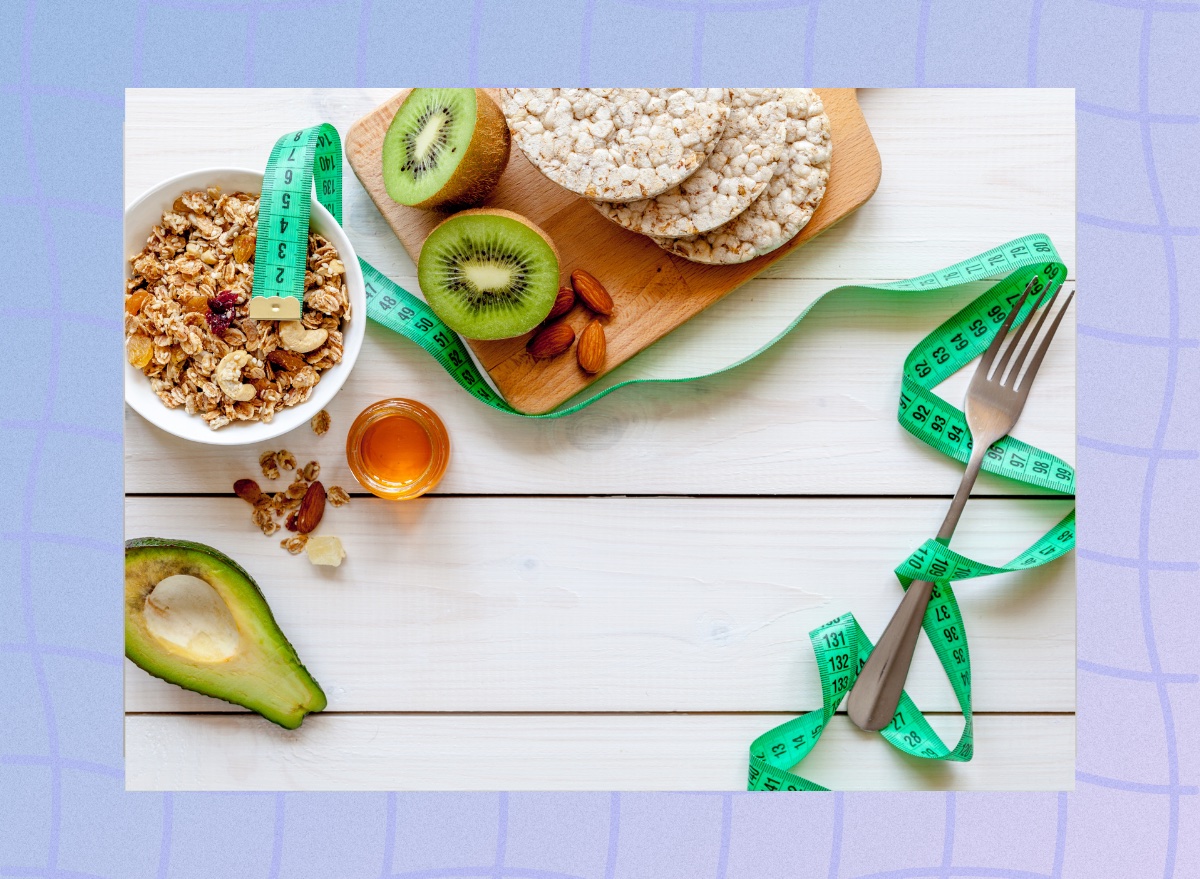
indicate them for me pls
(63, 68)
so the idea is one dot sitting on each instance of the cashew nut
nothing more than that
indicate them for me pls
(294, 337)
(229, 376)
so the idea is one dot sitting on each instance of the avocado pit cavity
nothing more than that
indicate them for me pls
(189, 617)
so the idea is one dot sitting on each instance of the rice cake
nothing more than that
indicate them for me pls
(733, 176)
(616, 144)
(790, 198)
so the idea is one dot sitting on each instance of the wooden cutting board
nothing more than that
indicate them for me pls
(654, 291)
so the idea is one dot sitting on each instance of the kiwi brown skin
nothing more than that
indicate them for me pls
(480, 168)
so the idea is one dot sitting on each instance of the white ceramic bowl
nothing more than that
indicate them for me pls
(141, 217)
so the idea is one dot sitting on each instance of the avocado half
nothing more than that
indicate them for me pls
(195, 618)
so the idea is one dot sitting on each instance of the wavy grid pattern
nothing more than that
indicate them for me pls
(63, 812)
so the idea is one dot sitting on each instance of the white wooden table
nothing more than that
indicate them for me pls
(621, 599)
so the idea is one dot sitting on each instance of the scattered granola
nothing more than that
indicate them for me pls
(186, 312)
(320, 423)
(269, 464)
(300, 505)
(295, 543)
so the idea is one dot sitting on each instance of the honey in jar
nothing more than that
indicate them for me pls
(398, 449)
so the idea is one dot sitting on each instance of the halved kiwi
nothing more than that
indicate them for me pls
(445, 147)
(489, 274)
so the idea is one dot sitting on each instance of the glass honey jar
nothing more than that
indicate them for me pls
(398, 449)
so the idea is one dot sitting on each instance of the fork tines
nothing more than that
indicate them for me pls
(1009, 380)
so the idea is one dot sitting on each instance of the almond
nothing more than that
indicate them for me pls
(247, 490)
(562, 304)
(591, 348)
(550, 341)
(312, 508)
(592, 292)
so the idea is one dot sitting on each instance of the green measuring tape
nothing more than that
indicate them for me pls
(841, 647)
(299, 159)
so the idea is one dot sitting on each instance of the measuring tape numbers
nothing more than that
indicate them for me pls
(313, 155)
(840, 646)
(298, 160)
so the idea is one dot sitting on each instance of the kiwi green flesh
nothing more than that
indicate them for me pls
(256, 667)
(488, 276)
(427, 139)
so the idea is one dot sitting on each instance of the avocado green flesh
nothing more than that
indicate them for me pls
(427, 139)
(263, 673)
(488, 276)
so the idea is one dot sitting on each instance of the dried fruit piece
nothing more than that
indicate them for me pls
(592, 348)
(196, 304)
(286, 360)
(320, 423)
(139, 350)
(221, 311)
(325, 550)
(287, 461)
(550, 341)
(312, 508)
(248, 490)
(223, 302)
(269, 463)
(337, 496)
(592, 292)
(311, 471)
(563, 303)
(134, 301)
(295, 543)
(243, 246)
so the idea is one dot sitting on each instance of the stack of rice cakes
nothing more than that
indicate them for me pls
(717, 176)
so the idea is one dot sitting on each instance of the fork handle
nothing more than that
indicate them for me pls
(876, 693)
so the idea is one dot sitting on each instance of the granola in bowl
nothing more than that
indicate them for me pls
(186, 323)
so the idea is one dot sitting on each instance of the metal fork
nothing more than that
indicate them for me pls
(994, 402)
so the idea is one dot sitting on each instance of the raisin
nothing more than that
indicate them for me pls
(139, 350)
(243, 246)
(196, 304)
(135, 301)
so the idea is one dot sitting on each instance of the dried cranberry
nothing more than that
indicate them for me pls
(218, 323)
(222, 302)
(220, 311)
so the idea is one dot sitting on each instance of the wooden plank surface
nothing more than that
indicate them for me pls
(565, 752)
(654, 291)
(622, 604)
(574, 628)
(816, 415)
